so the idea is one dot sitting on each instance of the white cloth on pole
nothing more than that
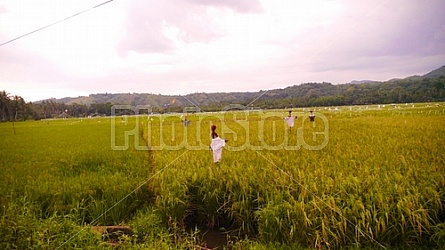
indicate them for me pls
(290, 120)
(217, 145)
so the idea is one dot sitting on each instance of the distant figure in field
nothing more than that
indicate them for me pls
(216, 145)
(311, 116)
(186, 121)
(290, 120)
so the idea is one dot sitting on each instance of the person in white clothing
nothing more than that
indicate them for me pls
(216, 145)
(290, 120)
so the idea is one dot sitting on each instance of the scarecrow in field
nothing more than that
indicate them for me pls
(311, 116)
(186, 122)
(290, 120)
(216, 145)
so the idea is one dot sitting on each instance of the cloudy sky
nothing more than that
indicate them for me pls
(187, 46)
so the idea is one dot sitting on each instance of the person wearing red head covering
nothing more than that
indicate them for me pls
(216, 145)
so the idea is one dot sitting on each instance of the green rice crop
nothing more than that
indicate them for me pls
(66, 168)
(377, 182)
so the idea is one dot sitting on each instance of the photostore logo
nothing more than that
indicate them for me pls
(244, 128)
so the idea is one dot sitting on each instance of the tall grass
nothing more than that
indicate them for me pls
(378, 182)
(65, 170)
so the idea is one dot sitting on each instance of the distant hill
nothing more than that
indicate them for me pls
(426, 88)
(409, 89)
(361, 81)
(435, 73)
(123, 98)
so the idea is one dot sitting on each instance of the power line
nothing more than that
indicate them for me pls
(49, 25)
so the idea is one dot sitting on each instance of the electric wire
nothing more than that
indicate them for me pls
(54, 23)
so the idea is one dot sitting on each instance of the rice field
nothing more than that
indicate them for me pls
(357, 177)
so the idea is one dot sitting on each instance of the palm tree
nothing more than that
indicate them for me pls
(18, 106)
(5, 104)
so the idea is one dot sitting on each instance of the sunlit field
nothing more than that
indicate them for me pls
(356, 177)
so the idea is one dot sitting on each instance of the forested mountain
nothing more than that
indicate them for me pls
(429, 87)
(436, 73)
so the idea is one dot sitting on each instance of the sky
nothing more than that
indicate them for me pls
(177, 47)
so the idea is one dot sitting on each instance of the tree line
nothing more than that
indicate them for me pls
(417, 89)
(407, 90)
(14, 108)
